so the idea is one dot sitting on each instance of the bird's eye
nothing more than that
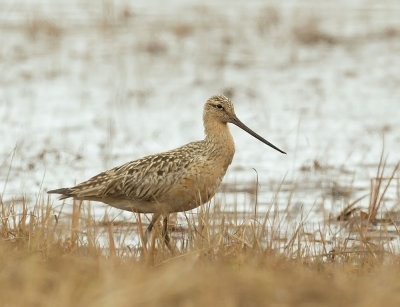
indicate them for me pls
(219, 106)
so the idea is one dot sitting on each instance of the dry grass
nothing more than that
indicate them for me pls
(197, 279)
(48, 258)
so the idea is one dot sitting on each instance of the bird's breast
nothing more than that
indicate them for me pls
(198, 184)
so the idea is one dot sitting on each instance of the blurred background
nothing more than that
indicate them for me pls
(88, 85)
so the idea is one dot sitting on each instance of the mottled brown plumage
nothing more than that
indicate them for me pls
(173, 181)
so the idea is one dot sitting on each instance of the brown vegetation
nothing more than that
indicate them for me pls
(48, 258)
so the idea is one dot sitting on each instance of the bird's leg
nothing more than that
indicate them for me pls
(150, 227)
(165, 231)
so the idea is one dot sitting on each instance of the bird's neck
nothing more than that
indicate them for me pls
(219, 139)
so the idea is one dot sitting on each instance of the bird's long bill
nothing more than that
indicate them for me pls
(238, 123)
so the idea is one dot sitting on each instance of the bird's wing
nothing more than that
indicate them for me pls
(144, 179)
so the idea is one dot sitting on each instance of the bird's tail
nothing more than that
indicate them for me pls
(65, 192)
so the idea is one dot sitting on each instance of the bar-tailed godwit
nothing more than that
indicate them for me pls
(177, 180)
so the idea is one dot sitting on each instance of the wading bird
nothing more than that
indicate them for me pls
(174, 181)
